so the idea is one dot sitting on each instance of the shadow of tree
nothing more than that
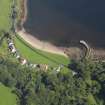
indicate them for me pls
(3, 35)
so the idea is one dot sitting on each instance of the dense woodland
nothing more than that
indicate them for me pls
(36, 87)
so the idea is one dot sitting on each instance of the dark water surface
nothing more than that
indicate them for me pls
(63, 22)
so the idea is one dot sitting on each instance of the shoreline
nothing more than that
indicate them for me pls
(41, 45)
(32, 40)
(24, 12)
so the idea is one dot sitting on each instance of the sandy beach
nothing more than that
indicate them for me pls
(41, 45)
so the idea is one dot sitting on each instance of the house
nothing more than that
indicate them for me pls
(43, 67)
(74, 73)
(59, 68)
(33, 65)
(11, 46)
(22, 61)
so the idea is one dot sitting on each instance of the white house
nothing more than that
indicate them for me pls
(11, 47)
(23, 62)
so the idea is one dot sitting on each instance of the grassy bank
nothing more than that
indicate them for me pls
(38, 56)
(5, 10)
(5, 23)
(6, 96)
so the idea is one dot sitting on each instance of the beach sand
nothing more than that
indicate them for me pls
(41, 45)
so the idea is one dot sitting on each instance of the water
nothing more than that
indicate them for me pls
(63, 22)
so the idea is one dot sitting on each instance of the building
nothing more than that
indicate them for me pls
(11, 46)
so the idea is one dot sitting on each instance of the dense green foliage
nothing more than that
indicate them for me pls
(35, 87)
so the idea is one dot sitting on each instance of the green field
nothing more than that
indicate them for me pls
(37, 56)
(91, 100)
(5, 10)
(5, 23)
(6, 97)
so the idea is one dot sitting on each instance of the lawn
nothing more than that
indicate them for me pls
(5, 10)
(37, 56)
(6, 97)
(91, 100)
(5, 23)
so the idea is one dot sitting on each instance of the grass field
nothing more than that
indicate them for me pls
(37, 56)
(6, 97)
(91, 100)
(5, 10)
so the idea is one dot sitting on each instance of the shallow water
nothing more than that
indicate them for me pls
(64, 22)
